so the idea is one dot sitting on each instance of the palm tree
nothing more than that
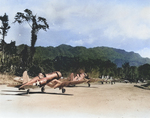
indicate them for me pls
(35, 26)
(4, 30)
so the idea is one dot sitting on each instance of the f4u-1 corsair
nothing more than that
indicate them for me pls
(39, 81)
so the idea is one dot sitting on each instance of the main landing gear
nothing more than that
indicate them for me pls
(63, 90)
(28, 91)
(89, 85)
(43, 89)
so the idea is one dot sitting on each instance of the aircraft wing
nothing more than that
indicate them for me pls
(50, 84)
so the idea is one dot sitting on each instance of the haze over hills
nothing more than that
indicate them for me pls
(117, 56)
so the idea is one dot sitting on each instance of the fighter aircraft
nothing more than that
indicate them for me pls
(39, 81)
(72, 81)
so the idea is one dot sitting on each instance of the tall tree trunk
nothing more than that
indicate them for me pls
(32, 49)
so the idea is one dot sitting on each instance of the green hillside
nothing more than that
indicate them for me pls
(117, 56)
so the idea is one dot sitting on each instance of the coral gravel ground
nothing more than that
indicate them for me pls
(120, 100)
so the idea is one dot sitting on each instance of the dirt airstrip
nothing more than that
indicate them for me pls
(98, 101)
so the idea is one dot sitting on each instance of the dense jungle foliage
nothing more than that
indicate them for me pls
(69, 59)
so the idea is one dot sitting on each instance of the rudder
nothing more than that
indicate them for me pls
(25, 77)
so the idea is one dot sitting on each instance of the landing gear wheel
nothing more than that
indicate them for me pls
(42, 89)
(63, 90)
(28, 91)
(89, 85)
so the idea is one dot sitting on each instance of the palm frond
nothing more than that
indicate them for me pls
(42, 27)
(29, 12)
(19, 17)
(41, 19)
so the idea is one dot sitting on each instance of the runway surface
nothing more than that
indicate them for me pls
(98, 101)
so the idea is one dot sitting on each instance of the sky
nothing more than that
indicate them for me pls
(121, 24)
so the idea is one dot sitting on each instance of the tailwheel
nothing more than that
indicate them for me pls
(63, 90)
(42, 89)
(21, 88)
(89, 84)
(28, 91)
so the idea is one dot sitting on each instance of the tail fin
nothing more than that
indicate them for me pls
(71, 76)
(25, 77)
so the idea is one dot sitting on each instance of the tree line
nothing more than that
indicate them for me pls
(16, 59)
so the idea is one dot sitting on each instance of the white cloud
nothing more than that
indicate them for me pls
(126, 22)
(145, 52)
(118, 24)
(76, 42)
(118, 20)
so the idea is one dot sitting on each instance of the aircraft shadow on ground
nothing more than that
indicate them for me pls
(25, 93)
(82, 86)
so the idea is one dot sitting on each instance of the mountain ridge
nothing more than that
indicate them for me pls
(117, 56)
